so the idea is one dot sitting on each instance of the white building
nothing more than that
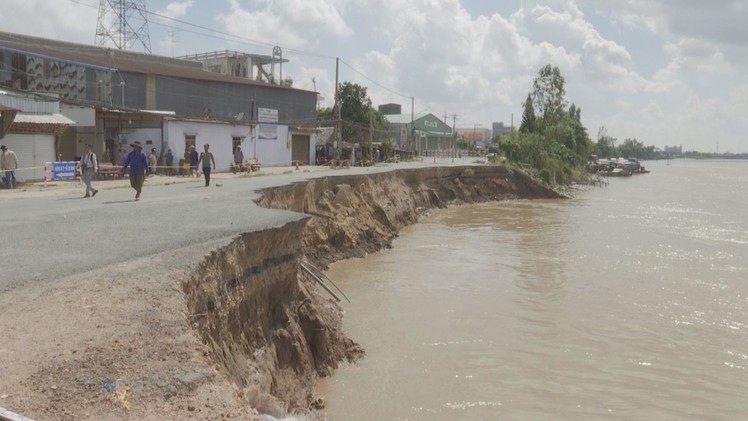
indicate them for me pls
(31, 124)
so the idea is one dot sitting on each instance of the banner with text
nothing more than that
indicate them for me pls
(267, 131)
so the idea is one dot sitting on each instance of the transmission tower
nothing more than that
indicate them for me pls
(124, 23)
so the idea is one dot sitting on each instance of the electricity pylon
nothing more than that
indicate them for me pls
(124, 23)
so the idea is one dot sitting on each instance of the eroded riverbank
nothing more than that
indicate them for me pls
(203, 320)
(268, 327)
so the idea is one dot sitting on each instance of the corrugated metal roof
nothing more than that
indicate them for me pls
(22, 118)
(139, 63)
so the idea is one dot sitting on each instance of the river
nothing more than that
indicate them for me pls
(626, 302)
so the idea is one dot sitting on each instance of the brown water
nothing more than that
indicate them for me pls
(627, 302)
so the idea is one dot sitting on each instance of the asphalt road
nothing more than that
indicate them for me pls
(49, 236)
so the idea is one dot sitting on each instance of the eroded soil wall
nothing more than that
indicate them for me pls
(269, 327)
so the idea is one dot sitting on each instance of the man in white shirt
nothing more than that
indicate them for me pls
(89, 166)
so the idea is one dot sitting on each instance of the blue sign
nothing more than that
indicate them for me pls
(64, 170)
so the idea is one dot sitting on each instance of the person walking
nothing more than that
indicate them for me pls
(152, 162)
(89, 165)
(169, 162)
(138, 163)
(206, 158)
(8, 165)
(238, 159)
(194, 157)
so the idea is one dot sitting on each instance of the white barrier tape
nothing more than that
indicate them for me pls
(24, 169)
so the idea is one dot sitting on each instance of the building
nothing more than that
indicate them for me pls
(390, 109)
(30, 125)
(498, 129)
(425, 133)
(477, 137)
(116, 97)
(673, 150)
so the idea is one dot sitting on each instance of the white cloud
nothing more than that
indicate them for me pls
(656, 70)
(50, 19)
(176, 9)
(286, 23)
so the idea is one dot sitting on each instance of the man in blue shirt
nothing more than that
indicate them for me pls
(138, 163)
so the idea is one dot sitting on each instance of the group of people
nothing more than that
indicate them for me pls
(8, 167)
(136, 163)
(139, 166)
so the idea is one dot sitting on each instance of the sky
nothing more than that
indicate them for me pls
(663, 72)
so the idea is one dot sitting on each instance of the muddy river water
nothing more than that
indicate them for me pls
(626, 302)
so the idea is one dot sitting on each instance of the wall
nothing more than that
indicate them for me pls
(31, 151)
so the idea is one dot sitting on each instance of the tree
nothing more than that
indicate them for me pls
(357, 113)
(552, 138)
(548, 93)
(528, 124)
(606, 145)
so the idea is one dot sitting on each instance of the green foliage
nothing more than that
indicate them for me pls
(529, 121)
(548, 93)
(388, 148)
(357, 113)
(551, 139)
(629, 149)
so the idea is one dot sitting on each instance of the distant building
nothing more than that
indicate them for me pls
(390, 109)
(498, 129)
(425, 133)
(476, 136)
(233, 63)
(673, 150)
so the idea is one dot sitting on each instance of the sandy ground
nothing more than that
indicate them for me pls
(75, 335)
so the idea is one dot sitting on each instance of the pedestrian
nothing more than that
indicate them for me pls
(121, 156)
(238, 158)
(206, 158)
(152, 162)
(193, 161)
(169, 162)
(89, 165)
(138, 163)
(9, 164)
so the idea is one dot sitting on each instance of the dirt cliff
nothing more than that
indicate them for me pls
(268, 327)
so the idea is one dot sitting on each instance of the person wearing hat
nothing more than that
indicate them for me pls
(138, 163)
(8, 165)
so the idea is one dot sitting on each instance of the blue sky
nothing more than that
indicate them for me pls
(663, 72)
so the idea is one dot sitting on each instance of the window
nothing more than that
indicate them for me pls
(189, 140)
(235, 141)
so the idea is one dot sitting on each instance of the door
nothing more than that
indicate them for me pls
(300, 149)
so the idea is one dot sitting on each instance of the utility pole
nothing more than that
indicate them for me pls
(454, 135)
(337, 112)
(412, 120)
(371, 130)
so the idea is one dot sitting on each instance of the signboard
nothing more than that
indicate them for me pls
(403, 136)
(267, 131)
(63, 170)
(431, 123)
(267, 115)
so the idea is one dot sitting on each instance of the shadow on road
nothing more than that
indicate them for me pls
(119, 201)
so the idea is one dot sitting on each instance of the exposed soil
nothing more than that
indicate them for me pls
(240, 332)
